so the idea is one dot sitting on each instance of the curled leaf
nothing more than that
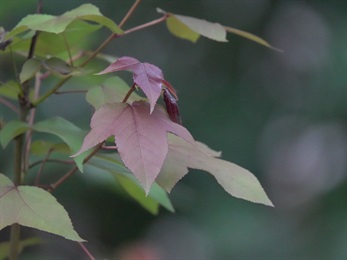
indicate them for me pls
(30, 68)
(251, 37)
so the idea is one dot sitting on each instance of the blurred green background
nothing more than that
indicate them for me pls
(283, 116)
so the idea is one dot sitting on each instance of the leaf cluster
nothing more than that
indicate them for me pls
(152, 150)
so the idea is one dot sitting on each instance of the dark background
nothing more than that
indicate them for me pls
(283, 116)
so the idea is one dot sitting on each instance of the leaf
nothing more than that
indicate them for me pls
(33, 207)
(5, 246)
(51, 44)
(30, 68)
(58, 66)
(141, 137)
(40, 147)
(11, 130)
(112, 163)
(112, 90)
(147, 76)
(236, 180)
(191, 28)
(251, 37)
(68, 132)
(179, 29)
(10, 89)
(58, 24)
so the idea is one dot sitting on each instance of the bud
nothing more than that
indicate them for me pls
(172, 107)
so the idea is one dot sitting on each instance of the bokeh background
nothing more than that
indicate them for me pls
(283, 116)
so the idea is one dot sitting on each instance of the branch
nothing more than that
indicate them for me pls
(91, 257)
(73, 170)
(145, 25)
(51, 161)
(9, 105)
(129, 13)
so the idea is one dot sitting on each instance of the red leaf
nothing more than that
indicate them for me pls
(141, 137)
(146, 76)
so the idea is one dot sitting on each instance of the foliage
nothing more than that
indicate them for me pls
(154, 150)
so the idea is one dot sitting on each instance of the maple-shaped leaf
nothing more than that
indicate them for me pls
(33, 207)
(146, 76)
(141, 137)
(236, 180)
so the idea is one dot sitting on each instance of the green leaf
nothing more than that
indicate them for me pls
(30, 68)
(114, 89)
(137, 193)
(68, 132)
(191, 28)
(58, 24)
(51, 44)
(112, 164)
(10, 89)
(33, 207)
(179, 29)
(5, 246)
(57, 65)
(40, 147)
(11, 130)
(251, 37)
(236, 180)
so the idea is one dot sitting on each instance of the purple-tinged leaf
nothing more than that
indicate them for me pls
(146, 76)
(141, 137)
(236, 180)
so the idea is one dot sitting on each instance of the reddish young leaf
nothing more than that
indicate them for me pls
(172, 107)
(141, 137)
(146, 76)
(236, 180)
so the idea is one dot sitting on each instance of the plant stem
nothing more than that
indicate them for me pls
(24, 104)
(145, 25)
(74, 169)
(129, 13)
(50, 161)
(86, 251)
(9, 105)
(131, 90)
(17, 180)
(14, 241)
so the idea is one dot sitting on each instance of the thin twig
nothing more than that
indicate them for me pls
(131, 90)
(9, 105)
(129, 13)
(145, 25)
(70, 92)
(42, 166)
(68, 49)
(73, 170)
(91, 257)
(31, 120)
(50, 161)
